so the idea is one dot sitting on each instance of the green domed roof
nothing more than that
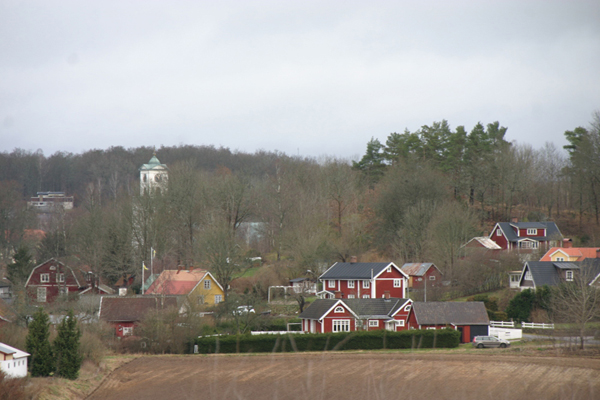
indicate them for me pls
(153, 163)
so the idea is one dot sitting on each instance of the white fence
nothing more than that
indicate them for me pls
(503, 324)
(536, 325)
(507, 334)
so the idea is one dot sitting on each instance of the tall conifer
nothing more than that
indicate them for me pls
(38, 345)
(66, 348)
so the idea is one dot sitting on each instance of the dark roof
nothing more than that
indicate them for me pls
(548, 272)
(552, 231)
(418, 269)
(363, 308)
(354, 270)
(124, 309)
(448, 312)
(591, 266)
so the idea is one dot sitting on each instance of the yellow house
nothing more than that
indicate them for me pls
(207, 291)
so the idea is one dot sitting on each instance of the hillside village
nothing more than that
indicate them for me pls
(393, 243)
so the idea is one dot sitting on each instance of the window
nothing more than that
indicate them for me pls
(569, 276)
(366, 284)
(339, 309)
(207, 284)
(528, 276)
(431, 327)
(560, 259)
(63, 291)
(528, 244)
(407, 308)
(350, 284)
(498, 232)
(388, 269)
(44, 278)
(432, 278)
(373, 322)
(397, 283)
(531, 232)
(41, 295)
(331, 283)
(127, 331)
(145, 177)
(341, 325)
(60, 277)
(351, 296)
(514, 278)
(218, 298)
(400, 322)
(366, 296)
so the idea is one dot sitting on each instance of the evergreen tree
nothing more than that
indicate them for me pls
(41, 362)
(66, 348)
(19, 271)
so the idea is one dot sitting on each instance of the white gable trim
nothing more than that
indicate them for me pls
(409, 301)
(339, 302)
(393, 265)
(561, 252)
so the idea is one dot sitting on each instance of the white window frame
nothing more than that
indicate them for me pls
(498, 232)
(366, 284)
(63, 291)
(207, 284)
(366, 296)
(528, 276)
(127, 330)
(218, 298)
(431, 328)
(531, 232)
(340, 325)
(529, 244)
(351, 296)
(569, 275)
(331, 283)
(388, 269)
(339, 309)
(350, 284)
(560, 259)
(397, 282)
(60, 277)
(373, 323)
(45, 278)
(407, 307)
(399, 322)
(432, 278)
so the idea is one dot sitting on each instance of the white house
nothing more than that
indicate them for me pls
(13, 362)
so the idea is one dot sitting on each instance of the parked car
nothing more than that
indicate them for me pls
(489, 341)
(244, 310)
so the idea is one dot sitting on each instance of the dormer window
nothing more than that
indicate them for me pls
(569, 276)
(339, 309)
(531, 232)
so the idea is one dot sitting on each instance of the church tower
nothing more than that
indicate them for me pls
(153, 176)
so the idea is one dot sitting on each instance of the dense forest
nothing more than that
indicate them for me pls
(417, 197)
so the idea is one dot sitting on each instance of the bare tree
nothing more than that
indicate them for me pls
(577, 301)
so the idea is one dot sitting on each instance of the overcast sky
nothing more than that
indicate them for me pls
(301, 77)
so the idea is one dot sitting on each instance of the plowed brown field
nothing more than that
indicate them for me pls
(489, 375)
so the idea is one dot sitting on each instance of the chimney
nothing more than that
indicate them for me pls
(338, 294)
(514, 220)
(353, 259)
(386, 294)
(567, 243)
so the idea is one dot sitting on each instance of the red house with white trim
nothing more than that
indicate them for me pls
(421, 274)
(124, 313)
(355, 280)
(526, 236)
(346, 315)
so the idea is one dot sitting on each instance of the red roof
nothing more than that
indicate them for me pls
(580, 252)
(175, 282)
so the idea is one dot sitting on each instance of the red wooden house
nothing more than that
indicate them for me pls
(468, 317)
(52, 279)
(526, 236)
(124, 313)
(355, 280)
(345, 315)
(421, 274)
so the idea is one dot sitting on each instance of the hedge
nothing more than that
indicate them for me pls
(360, 340)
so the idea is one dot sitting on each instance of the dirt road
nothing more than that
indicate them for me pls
(487, 375)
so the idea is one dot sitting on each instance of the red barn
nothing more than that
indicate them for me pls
(469, 317)
(345, 315)
(421, 274)
(355, 280)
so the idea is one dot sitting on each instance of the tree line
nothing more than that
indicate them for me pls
(417, 197)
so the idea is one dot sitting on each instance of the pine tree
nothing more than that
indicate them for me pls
(66, 348)
(41, 362)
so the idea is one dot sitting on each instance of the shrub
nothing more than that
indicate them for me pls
(360, 340)
(12, 388)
